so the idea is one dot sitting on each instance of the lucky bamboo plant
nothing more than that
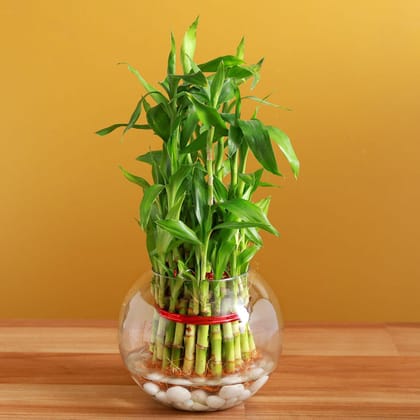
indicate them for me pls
(199, 216)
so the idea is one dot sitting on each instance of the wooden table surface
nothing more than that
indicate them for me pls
(72, 370)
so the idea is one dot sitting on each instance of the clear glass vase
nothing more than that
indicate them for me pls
(200, 346)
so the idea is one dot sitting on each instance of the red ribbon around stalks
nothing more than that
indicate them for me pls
(198, 319)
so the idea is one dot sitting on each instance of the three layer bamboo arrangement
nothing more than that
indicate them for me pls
(199, 215)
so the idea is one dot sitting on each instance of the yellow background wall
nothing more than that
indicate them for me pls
(349, 251)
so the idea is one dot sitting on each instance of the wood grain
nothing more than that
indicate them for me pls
(72, 370)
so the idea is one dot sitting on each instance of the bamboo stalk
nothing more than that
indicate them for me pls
(188, 365)
(167, 346)
(237, 344)
(179, 337)
(203, 330)
(175, 289)
(216, 363)
(228, 348)
(155, 323)
(252, 347)
(201, 350)
(245, 353)
(160, 337)
(189, 336)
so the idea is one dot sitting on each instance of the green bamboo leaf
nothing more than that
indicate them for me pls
(241, 225)
(180, 230)
(256, 69)
(197, 144)
(172, 56)
(177, 179)
(220, 191)
(252, 235)
(255, 114)
(224, 252)
(200, 197)
(227, 93)
(207, 115)
(197, 78)
(240, 72)
(238, 104)
(156, 95)
(134, 116)
(174, 209)
(286, 147)
(217, 84)
(234, 139)
(107, 130)
(229, 118)
(265, 102)
(188, 46)
(264, 204)
(159, 121)
(245, 257)
(149, 196)
(146, 104)
(248, 212)
(154, 156)
(188, 127)
(252, 180)
(194, 66)
(135, 179)
(228, 61)
(267, 184)
(258, 140)
(240, 50)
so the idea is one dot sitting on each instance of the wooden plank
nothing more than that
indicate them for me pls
(64, 323)
(58, 339)
(324, 340)
(90, 402)
(63, 368)
(406, 338)
(51, 371)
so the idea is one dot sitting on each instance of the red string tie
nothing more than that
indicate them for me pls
(198, 319)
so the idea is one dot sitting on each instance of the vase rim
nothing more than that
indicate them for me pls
(209, 279)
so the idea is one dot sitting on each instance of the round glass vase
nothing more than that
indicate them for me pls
(200, 345)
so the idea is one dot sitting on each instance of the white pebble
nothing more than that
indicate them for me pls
(178, 394)
(258, 384)
(256, 373)
(181, 406)
(199, 407)
(187, 405)
(231, 379)
(215, 402)
(213, 382)
(231, 391)
(151, 388)
(245, 395)
(161, 396)
(198, 380)
(230, 402)
(179, 381)
(154, 376)
(199, 396)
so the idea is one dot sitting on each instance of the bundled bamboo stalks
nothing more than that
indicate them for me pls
(190, 349)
